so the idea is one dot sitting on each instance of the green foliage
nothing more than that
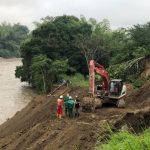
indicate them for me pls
(43, 72)
(40, 71)
(116, 71)
(127, 141)
(96, 45)
(129, 44)
(77, 80)
(54, 40)
(141, 35)
(119, 44)
(140, 52)
(138, 83)
(11, 36)
(67, 43)
(136, 80)
(21, 73)
(60, 66)
(128, 71)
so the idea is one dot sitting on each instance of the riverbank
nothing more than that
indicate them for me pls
(36, 126)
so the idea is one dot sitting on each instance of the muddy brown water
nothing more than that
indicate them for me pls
(14, 95)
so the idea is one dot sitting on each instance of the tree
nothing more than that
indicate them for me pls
(65, 44)
(40, 70)
(11, 36)
(95, 46)
(140, 34)
(55, 38)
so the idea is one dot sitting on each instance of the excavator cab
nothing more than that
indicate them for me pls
(116, 86)
(117, 89)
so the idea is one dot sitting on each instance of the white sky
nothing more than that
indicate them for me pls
(120, 13)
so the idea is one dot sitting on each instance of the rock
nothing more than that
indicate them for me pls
(93, 116)
(58, 128)
(43, 140)
(83, 137)
(124, 128)
(104, 122)
(92, 134)
(88, 139)
(3, 146)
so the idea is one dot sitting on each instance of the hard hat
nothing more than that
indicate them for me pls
(76, 96)
(61, 96)
(70, 97)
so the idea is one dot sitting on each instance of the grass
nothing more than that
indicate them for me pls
(127, 141)
(77, 80)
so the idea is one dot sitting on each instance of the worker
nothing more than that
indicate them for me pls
(68, 83)
(66, 99)
(70, 106)
(59, 105)
(77, 106)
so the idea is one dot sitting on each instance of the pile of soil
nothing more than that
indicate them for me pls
(36, 126)
(135, 121)
(139, 98)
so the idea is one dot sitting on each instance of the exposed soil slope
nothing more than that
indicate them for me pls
(36, 126)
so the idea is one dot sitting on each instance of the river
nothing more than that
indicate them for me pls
(14, 95)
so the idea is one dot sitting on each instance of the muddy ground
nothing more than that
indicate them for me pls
(36, 126)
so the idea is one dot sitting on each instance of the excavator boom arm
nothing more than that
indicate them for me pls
(100, 70)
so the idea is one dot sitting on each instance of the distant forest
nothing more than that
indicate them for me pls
(11, 37)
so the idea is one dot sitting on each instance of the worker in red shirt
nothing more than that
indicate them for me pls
(59, 106)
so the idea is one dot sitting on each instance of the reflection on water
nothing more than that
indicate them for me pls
(14, 95)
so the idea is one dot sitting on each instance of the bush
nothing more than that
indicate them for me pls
(138, 83)
(127, 141)
(132, 78)
(8, 53)
(77, 80)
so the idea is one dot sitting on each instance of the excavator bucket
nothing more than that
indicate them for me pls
(87, 104)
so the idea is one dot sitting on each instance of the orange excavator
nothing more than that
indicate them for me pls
(106, 91)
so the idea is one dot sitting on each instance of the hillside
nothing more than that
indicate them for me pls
(36, 126)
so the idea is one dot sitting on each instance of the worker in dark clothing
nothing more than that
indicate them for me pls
(66, 99)
(77, 106)
(70, 106)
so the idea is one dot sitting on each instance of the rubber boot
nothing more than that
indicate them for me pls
(60, 117)
(75, 115)
(57, 115)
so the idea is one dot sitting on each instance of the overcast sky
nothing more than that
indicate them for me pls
(120, 13)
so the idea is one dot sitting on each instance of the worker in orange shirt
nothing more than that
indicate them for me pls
(59, 106)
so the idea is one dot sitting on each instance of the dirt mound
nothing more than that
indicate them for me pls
(36, 126)
(139, 98)
(135, 121)
(146, 71)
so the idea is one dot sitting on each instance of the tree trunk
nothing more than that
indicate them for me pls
(44, 84)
